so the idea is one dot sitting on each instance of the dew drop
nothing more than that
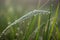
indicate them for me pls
(17, 34)
(23, 21)
(9, 22)
(21, 32)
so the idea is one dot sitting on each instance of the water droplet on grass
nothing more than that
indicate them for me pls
(17, 34)
(21, 32)
(23, 21)
(9, 22)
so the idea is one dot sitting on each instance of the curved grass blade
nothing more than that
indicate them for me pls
(30, 14)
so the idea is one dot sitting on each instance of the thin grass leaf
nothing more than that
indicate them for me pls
(30, 29)
(46, 32)
(37, 34)
(58, 33)
(54, 21)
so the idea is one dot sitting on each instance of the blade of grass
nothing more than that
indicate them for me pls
(45, 37)
(31, 26)
(37, 34)
(57, 31)
(42, 25)
(54, 21)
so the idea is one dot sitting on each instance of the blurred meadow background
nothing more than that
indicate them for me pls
(29, 19)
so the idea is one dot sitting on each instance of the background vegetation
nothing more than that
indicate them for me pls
(43, 26)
